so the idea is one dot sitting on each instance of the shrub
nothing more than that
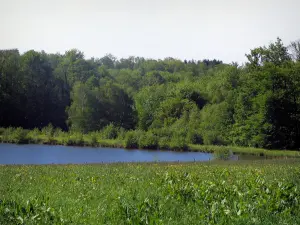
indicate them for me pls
(6, 134)
(57, 132)
(73, 139)
(34, 136)
(223, 153)
(109, 132)
(2, 130)
(132, 139)
(148, 140)
(194, 138)
(91, 139)
(18, 135)
(48, 130)
(121, 133)
(212, 138)
(164, 143)
(178, 143)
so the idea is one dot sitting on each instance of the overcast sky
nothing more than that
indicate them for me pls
(184, 29)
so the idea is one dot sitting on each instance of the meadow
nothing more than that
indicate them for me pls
(220, 192)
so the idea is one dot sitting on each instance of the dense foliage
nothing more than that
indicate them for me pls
(157, 103)
(258, 193)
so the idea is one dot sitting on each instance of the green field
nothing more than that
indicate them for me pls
(258, 192)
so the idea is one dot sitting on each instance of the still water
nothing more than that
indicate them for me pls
(50, 154)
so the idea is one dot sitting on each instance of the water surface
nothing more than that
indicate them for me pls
(56, 154)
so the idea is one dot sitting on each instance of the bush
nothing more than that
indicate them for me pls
(109, 132)
(73, 139)
(34, 136)
(178, 143)
(223, 153)
(132, 139)
(57, 132)
(91, 139)
(48, 131)
(193, 137)
(164, 132)
(48, 134)
(211, 138)
(2, 130)
(18, 135)
(148, 140)
(7, 134)
(121, 133)
(164, 143)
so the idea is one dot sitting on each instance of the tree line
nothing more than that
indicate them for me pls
(170, 100)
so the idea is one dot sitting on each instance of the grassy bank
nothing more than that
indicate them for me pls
(244, 150)
(121, 139)
(264, 192)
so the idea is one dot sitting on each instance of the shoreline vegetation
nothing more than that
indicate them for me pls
(114, 138)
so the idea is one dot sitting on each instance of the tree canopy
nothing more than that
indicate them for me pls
(203, 102)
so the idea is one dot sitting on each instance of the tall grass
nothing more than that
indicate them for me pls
(244, 150)
(265, 192)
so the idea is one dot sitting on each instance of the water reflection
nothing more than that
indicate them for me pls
(47, 154)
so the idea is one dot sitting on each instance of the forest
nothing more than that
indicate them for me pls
(157, 103)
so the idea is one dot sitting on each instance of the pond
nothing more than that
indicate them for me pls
(51, 154)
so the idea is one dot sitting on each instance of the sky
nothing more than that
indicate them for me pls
(183, 29)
